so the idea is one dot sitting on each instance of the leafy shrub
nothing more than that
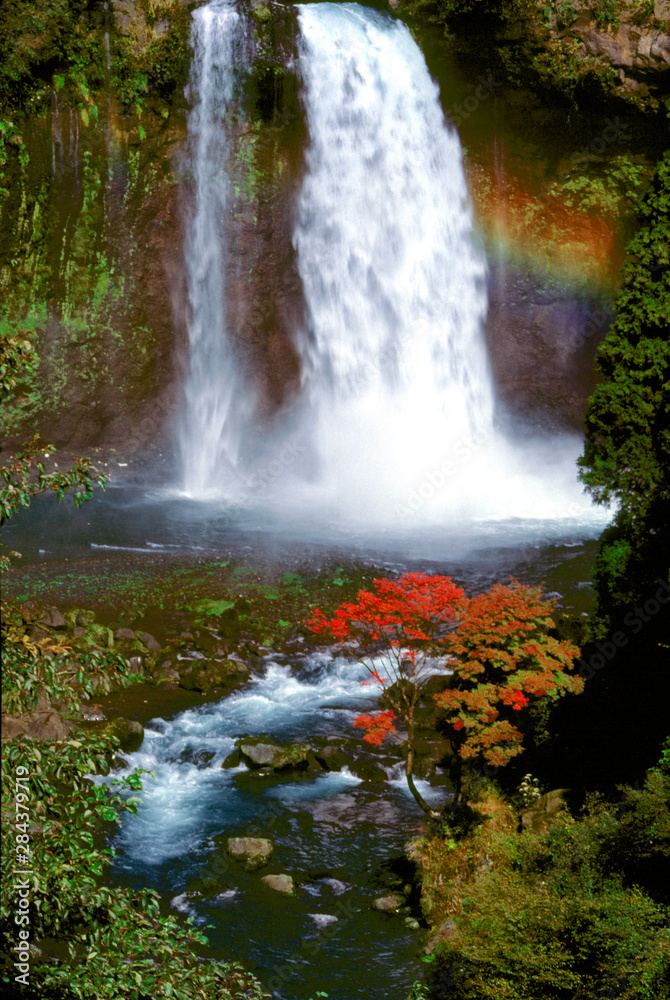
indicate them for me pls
(563, 914)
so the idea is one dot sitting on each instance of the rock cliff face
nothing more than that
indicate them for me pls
(91, 262)
(635, 44)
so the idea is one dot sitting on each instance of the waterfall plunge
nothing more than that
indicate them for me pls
(398, 396)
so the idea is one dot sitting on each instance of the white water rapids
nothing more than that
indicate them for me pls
(395, 428)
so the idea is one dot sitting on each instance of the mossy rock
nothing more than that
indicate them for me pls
(129, 733)
(260, 752)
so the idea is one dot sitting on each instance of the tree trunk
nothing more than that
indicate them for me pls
(416, 794)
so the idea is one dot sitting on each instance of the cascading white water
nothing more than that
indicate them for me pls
(394, 360)
(398, 396)
(395, 425)
(215, 405)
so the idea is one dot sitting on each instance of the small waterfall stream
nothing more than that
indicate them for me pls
(215, 405)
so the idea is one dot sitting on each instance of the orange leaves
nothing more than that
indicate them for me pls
(416, 608)
(497, 643)
(378, 726)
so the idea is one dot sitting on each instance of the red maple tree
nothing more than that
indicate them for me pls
(496, 646)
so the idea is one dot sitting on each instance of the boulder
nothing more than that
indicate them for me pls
(203, 675)
(124, 634)
(46, 724)
(251, 852)
(280, 883)
(233, 759)
(333, 758)
(368, 770)
(129, 733)
(545, 810)
(390, 903)
(148, 640)
(262, 752)
(52, 618)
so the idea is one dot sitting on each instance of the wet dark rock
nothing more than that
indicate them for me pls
(45, 724)
(233, 759)
(129, 733)
(368, 770)
(333, 758)
(52, 618)
(250, 852)
(202, 675)
(261, 752)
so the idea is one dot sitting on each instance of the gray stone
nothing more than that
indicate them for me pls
(149, 641)
(280, 883)
(263, 752)
(251, 852)
(52, 618)
(390, 903)
(125, 633)
(41, 725)
(545, 810)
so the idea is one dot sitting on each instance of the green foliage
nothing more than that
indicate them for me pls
(94, 940)
(32, 676)
(614, 190)
(627, 444)
(565, 913)
(25, 476)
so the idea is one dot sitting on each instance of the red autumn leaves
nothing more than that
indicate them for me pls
(497, 644)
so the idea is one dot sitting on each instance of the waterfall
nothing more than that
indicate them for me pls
(215, 403)
(394, 360)
(395, 424)
(397, 392)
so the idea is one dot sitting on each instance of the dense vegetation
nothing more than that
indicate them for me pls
(626, 459)
(577, 909)
(534, 46)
